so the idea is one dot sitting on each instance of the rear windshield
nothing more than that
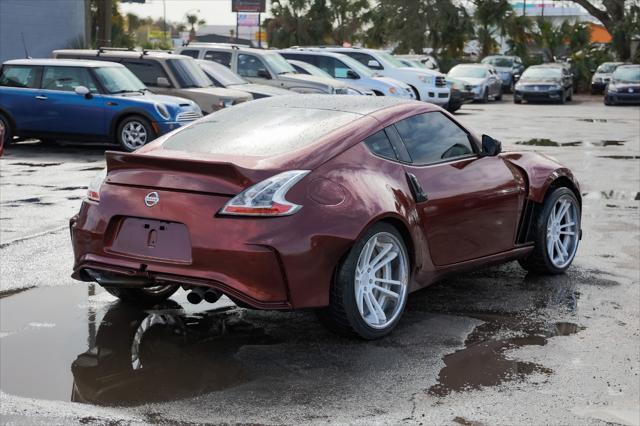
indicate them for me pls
(254, 131)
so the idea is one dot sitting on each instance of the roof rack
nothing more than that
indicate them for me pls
(113, 49)
(147, 51)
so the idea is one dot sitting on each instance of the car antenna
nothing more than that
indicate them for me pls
(24, 45)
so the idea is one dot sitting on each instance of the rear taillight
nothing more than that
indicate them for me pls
(93, 191)
(266, 198)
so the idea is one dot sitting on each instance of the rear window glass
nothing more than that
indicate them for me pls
(253, 130)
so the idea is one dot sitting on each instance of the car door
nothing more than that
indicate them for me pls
(255, 70)
(19, 86)
(65, 111)
(471, 203)
(218, 56)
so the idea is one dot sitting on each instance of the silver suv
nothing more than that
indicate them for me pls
(167, 74)
(262, 67)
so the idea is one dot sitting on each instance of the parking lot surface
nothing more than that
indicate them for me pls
(497, 346)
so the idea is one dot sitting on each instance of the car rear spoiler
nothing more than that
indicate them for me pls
(181, 174)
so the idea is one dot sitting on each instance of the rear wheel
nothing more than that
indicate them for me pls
(371, 285)
(134, 132)
(556, 233)
(8, 131)
(143, 296)
(485, 96)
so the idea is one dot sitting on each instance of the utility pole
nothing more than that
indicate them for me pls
(259, 33)
(164, 19)
(103, 35)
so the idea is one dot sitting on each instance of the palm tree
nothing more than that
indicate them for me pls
(193, 20)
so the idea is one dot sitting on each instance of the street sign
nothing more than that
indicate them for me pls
(248, 20)
(253, 6)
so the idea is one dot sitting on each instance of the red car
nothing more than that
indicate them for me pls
(344, 204)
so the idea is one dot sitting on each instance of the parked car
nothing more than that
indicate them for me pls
(484, 80)
(348, 70)
(263, 67)
(461, 93)
(427, 61)
(305, 68)
(602, 75)
(337, 204)
(222, 76)
(427, 85)
(624, 87)
(167, 74)
(63, 99)
(2, 133)
(548, 82)
(509, 68)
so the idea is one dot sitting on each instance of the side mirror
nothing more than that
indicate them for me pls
(352, 75)
(490, 146)
(163, 82)
(516, 77)
(262, 73)
(374, 64)
(83, 91)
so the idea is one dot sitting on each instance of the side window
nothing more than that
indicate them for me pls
(147, 71)
(299, 69)
(192, 53)
(432, 138)
(363, 58)
(332, 66)
(26, 77)
(380, 145)
(249, 65)
(66, 79)
(223, 58)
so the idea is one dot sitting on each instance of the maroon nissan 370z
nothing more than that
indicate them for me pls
(345, 204)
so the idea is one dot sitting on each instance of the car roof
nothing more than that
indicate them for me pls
(63, 62)
(146, 54)
(549, 65)
(313, 51)
(230, 46)
(628, 66)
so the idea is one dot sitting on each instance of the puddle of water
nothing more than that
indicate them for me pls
(57, 343)
(36, 164)
(610, 143)
(547, 142)
(483, 361)
(88, 169)
(70, 188)
(611, 195)
(593, 120)
(620, 157)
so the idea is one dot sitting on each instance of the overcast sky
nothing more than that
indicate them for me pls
(215, 12)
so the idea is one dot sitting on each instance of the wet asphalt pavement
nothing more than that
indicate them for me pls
(497, 346)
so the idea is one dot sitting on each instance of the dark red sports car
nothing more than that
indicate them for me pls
(341, 203)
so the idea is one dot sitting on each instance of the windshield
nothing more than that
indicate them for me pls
(278, 63)
(357, 66)
(468, 72)
(118, 80)
(498, 61)
(541, 73)
(627, 74)
(188, 73)
(222, 74)
(392, 60)
(607, 68)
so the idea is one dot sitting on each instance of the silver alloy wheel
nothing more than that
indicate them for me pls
(381, 281)
(562, 232)
(134, 135)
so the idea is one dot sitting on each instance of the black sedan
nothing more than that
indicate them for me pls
(624, 87)
(549, 82)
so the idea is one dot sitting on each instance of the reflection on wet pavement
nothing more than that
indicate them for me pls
(611, 195)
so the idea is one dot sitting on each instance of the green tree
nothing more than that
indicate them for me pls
(193, 20)
(491, 16)
(519, 33)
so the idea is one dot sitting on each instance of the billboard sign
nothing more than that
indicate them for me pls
(252, 6)
(247, 20)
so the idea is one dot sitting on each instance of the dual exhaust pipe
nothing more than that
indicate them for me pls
(198, 294)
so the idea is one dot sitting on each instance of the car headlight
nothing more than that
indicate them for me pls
(612, 88)
(224, 103)
(555, 87)
(393, 90)
(425, 79)
(351, 91)
(93, 190)
(163, 111)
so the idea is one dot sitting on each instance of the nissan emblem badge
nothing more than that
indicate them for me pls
(151, 199)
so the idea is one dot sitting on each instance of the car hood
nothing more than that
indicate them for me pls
(504, 69)
(421, 71)
(219, 92)
(392, 82)
(312, 80)
(153, 98)
(261, 89)
(472, 81)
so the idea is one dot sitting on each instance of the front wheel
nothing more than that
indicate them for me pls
(134, 132)
(499, 95)
(370, 287)
(556, 234)
(143, 296)
(7, 133)
(485, 96)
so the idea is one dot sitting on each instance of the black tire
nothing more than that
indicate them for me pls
(499, 95)
(538, 260)
(342, 315)
(517, 101)
(563, 98)
(570, 97)
(485, 96)
(143, 296)
(134, 120)
(8, 131)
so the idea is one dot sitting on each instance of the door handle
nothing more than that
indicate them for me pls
(416, 189)
(41, 98)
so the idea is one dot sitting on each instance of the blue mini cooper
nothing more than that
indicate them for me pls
(61, 99)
